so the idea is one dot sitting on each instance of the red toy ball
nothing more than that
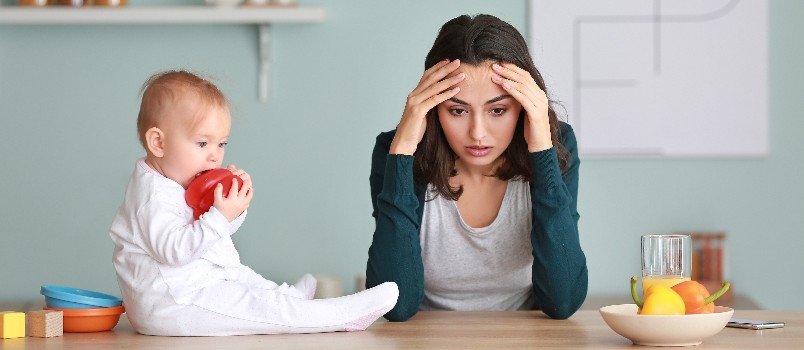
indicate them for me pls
(200, 194)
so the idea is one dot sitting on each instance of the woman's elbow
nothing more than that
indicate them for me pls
(400, 313)
(563, 308)
(561, 312)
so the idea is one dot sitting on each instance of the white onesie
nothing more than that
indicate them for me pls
(183, 277)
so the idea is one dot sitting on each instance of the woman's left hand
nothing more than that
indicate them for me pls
(520, 84)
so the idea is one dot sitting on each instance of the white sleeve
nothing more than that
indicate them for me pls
(235, 224)
(170, 240)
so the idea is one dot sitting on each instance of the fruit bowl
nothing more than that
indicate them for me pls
(74, 298)
(664, 330)
(90, 320)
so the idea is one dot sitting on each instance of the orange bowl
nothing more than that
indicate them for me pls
(90, 320)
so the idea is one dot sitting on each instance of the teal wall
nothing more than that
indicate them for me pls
(69, 99)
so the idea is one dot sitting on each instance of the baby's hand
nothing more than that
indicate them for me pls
(239, 197)
(242, 173)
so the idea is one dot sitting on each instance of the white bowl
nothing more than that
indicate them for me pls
(664, 330)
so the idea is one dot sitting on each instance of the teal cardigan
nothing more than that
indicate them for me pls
(560, 276)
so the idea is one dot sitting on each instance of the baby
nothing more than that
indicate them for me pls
(183, 277)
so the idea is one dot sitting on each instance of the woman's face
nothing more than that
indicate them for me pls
(479, 121)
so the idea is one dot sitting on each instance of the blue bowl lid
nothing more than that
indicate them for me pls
(81, 296)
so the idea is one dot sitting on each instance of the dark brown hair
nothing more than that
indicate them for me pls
(475, 40)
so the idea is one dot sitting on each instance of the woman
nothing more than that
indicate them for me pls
(475, 191)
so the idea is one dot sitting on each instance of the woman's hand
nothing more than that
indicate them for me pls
(520, 84)
(239, 197)
(434, 87)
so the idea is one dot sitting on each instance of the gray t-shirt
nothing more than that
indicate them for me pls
(487, 268)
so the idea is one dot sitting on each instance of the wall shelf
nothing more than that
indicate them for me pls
(160, 15)
(263, 17)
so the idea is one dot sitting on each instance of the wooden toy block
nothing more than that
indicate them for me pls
(12, 324)
(45, 323)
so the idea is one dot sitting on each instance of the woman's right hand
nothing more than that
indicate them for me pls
(433, 89)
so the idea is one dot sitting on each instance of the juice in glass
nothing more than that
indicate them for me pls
(668, 281)
(666, 260)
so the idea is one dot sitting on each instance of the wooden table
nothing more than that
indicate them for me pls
(439, 330)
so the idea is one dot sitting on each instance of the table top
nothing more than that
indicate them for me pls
(440, 330)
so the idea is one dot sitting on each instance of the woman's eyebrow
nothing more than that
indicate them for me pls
(498, 99)
(458, 101)
(493, 100)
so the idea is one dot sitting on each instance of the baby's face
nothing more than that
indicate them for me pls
(191, 149)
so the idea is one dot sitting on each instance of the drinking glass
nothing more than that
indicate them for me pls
(666, 260)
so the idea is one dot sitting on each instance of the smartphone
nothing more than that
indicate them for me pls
(753, 324)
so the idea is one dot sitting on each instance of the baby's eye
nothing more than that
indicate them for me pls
(497, 111)
(202, 144)
(223, 144)
(458, 111)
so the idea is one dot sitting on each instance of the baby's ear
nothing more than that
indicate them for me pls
(154, 140)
